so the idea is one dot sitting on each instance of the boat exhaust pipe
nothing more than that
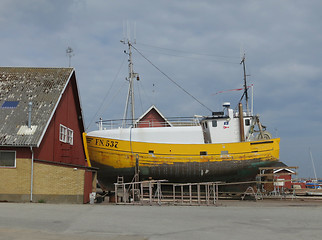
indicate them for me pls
(241, 123)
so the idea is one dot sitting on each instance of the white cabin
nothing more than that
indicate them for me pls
(224, 127)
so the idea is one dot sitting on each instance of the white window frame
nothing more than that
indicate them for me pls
(66, 135)
(63, 133)
(70, 136)
(15, 160)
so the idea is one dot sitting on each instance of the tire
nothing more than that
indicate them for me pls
(265, 136)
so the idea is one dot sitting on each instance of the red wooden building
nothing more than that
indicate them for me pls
(283, 177)
(277, 178)
(41, 148)
(152, 118)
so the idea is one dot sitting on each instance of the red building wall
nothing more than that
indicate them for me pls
(287, 178)
(152, 119)
(21, 152)
(67, 114)
(88, 185)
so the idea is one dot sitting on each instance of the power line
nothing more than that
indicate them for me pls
(189, 52)
(107, 94)
(171, 79)
(192, 57)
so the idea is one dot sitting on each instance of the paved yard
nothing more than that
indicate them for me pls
(232, 220)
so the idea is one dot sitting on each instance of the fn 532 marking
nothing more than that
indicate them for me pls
(106, 143)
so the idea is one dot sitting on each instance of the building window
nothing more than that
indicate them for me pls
(63, 133)
(66, 135)
(7, 159)
(70, 134)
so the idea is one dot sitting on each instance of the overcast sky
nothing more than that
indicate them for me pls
(197, 44)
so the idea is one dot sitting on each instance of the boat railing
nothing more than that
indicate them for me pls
(127, 123)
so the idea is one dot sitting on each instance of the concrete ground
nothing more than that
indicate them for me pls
(231, 220)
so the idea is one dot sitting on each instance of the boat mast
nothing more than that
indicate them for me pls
(245, 83)
(130, 78)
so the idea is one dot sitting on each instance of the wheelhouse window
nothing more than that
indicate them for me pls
(7, 159)
(66, 135)
(247, 122)
(214, 123)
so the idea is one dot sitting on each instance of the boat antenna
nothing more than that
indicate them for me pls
(130, 79)
(245, 83)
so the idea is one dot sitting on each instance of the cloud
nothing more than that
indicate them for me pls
(197, 44)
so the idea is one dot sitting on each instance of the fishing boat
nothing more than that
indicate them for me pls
(228, 145)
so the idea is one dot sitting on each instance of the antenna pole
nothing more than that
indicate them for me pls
(69, 53)
(252, 109)
(130, 78)
(134, 32)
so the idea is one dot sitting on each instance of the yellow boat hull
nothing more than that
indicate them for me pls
(180, 162)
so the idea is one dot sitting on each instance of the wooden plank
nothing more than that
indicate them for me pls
(276, 168)
(274, 174)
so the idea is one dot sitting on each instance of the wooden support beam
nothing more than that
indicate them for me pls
(274, 174)
(276, 168)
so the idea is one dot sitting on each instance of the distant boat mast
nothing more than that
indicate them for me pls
(313, 166)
